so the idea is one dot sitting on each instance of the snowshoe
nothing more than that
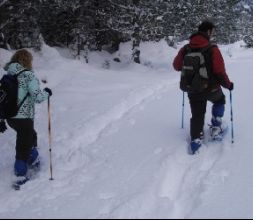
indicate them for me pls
(217, 132)
(19, 182)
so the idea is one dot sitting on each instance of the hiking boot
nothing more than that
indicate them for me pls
(35, 166)
(34, 159)
(195, 145)
(20, 168)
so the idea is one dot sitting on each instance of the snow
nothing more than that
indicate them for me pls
(118, 149)
(246, 6)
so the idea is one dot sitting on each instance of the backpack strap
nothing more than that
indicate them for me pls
(18, 74)
(207, 51)
(208, 48)
(187, 49)
(20, 105)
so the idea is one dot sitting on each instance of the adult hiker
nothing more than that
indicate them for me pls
(203, 74)
(29, 93)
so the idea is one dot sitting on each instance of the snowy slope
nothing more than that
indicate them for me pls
(118, 150)
(229, 193)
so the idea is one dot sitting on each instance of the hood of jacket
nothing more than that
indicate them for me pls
(13, 68)
(199, 40)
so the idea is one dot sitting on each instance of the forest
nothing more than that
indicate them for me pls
(88, 25)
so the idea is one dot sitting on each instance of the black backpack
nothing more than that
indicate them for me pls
(9, 96)
(196, 74)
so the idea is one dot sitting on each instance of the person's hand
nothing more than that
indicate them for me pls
(49, 91)
(3, 126)
(231, 87)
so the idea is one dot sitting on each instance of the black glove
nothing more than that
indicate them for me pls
(49, 91)
(231, 87)
(3, 127)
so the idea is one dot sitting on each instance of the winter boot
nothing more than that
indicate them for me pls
(20, 169)
(216, 128)
(195, 145)
(34, 160)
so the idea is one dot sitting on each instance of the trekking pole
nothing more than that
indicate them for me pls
(183, 104)
(232, 118)
(50, 140)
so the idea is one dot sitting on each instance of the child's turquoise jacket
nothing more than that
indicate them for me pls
(28, 84)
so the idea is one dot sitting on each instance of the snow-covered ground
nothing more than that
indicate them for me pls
(118, 149)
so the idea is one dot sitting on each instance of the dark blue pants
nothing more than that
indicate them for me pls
(26, 144)
(26, 137)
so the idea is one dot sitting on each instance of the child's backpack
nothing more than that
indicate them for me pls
(9, 96)
(197, 69)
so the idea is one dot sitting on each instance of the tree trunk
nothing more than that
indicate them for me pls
(136, 50)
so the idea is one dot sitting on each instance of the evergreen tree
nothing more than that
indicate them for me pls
(84, 25)
(226, 18)
(18, 24)
(82, 32)
(245, 22)
(56, 21)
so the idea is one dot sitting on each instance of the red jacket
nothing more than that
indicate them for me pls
(200, 40)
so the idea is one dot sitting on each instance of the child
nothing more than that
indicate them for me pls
(29, 93)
